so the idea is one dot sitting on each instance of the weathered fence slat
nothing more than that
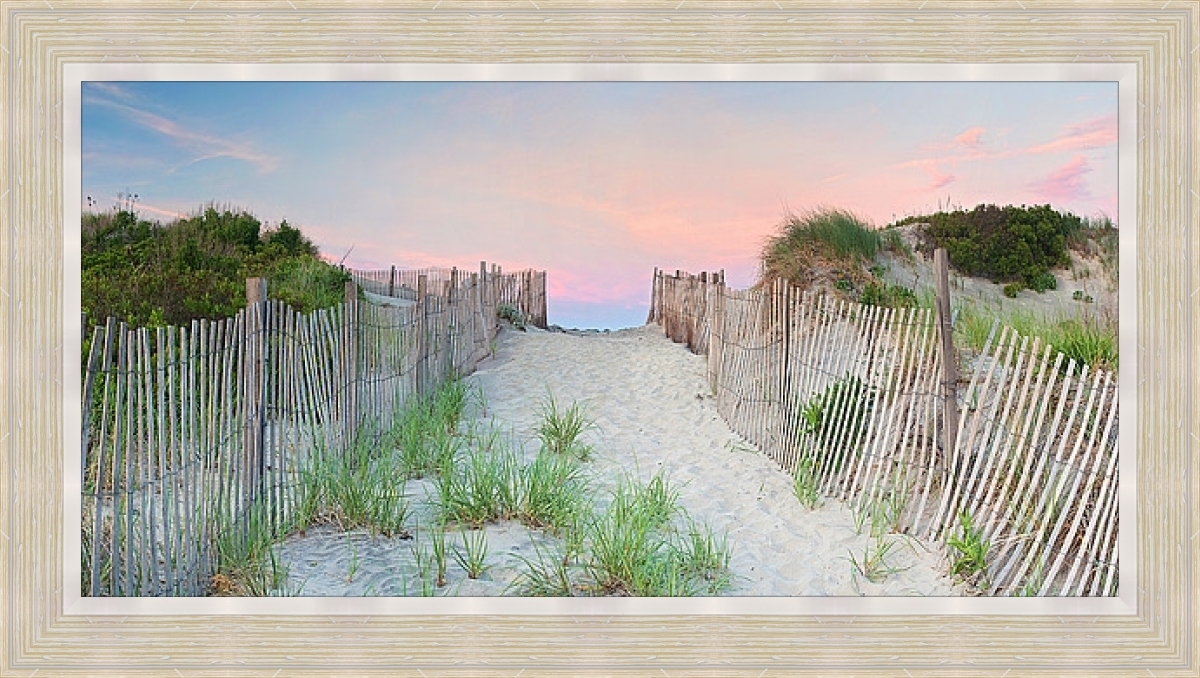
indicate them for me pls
(867, 398)
(190, 433)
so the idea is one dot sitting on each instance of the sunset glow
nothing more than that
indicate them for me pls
(596, 182)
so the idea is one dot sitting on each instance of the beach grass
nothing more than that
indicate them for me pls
(969, 552)
(635, 548)
(552, 493)
(1091, 340)
(472, 556)
(246, 561)
(560, 429)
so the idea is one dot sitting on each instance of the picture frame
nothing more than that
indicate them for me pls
(1148, 628)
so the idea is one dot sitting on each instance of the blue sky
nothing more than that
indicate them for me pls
(596, 182)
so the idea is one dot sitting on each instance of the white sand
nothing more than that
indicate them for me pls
(654, 410)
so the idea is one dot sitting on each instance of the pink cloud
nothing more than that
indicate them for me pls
(970, 139)
(1094, 133)
(1066, 183)
(938, 179)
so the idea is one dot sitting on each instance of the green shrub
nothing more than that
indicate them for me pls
(1043, 281)
(1005, 244)
(891, 296)
(150, 274)
(512, 314)
(1012, 289)
(820, 417)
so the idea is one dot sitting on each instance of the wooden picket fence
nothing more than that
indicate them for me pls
(523, 290)
(849, 397)
(187, 429)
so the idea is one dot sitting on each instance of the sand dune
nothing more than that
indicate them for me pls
(653, 411)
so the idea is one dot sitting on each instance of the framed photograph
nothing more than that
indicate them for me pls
(1106, 104)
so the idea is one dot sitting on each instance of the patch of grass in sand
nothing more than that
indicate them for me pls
(706, 556)
(512, 314)
(359, 487)
(873, 566)
(472, 557)
(246, 561)
(550, 575)
(473, 487)
(1091, 340)
(552, 493)
(969, 552)
(437, 541)
(806, 484)
(634, 548)
(560, 429)
(642, 544)
(424, 432)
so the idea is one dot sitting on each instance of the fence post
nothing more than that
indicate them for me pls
(256, 310)
(351, 414)
(941, 272)
(452, 327)
(392, 282)
(422, 329)
(542, 301)
(653, 288)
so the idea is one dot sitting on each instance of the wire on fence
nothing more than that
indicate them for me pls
(850, 396)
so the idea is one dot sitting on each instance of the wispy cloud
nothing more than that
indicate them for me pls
(937, 178)
(1066, 183)
(1094, 133)
(204, 146)
(970, 139)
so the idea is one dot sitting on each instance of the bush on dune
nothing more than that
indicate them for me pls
(147, 273)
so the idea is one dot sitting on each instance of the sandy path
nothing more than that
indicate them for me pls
(653, 409)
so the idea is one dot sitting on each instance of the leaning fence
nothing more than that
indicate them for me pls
(191, 433)
(849, 398)
(523, 290)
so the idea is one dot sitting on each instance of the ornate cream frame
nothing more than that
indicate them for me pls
(43, 634)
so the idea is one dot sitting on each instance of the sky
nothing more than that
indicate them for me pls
(595, 182)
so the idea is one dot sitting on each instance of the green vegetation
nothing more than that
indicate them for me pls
(359, 487)
(823, 239)
(836, 419)
(552, 493)
(472, 557)
(473, 489)
(1005, 244)
(642, 544)
(1091, 340)
(246, 561)
(424, 431)
(560, 430)
(150, 274)
(805, 485)
(873, 565)
(891, 296)
(1098, 238)
(512, 314)
(970, 549)
(837, 248)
